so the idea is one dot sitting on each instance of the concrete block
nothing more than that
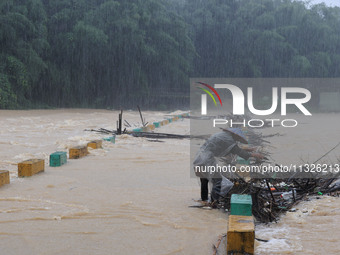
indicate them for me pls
(31, 167)
(241, 235)
(58, 158)
(97, 144)
(151, 127)
(4, 177)
(112, 139)
(78, 152)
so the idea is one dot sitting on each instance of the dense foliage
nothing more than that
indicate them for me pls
(112, 53)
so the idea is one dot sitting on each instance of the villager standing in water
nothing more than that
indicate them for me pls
(217, 146)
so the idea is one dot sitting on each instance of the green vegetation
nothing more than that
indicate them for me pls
(113, 53)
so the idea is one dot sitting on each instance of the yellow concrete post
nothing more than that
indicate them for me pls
(30, 167)
(151, 127)
(97, 144)
(241, 235)
(4, 177)
(78, 152)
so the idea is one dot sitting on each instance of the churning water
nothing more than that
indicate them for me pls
(131, 197)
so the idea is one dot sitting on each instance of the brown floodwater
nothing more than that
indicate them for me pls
(132, 197)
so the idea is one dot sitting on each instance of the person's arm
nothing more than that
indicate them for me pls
(245, 154)
(240, 152)
(249, 149)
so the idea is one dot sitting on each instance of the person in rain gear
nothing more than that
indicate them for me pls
(220, 145)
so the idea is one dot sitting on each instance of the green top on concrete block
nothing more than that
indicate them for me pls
(59, 153)
(241, 205)
(170, 120)
(137, 130)
(157, 124)
(111, 139)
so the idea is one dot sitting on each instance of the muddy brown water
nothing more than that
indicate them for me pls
(131, 197)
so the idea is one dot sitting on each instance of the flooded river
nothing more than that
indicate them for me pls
(131, 197)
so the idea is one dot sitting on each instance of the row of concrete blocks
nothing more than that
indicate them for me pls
(31, 167)
(158, 124)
